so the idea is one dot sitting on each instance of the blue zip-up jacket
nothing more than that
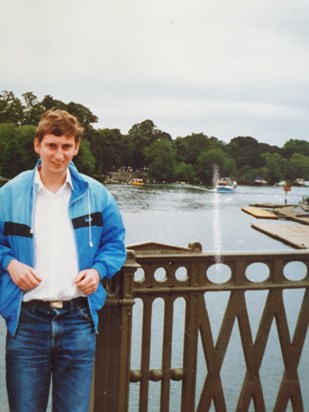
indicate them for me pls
(98, 229)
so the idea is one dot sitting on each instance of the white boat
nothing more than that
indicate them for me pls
(225, 185)
(301, 182)
(259, 181)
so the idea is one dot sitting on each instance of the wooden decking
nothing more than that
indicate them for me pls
(293, 234)
(294, 231)
(259, 213)
(296, 214)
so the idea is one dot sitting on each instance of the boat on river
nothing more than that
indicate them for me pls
(259, 181)
(137, 182)
(225, 185)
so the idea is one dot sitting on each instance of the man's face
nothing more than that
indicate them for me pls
(56, 152)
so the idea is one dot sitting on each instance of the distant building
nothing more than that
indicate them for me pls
(125, 176)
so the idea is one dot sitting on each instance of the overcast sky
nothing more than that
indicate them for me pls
(226, 68)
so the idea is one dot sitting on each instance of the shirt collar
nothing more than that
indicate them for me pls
(38, 180)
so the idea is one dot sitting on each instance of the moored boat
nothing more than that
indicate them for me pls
(137, 182)
(259, 181)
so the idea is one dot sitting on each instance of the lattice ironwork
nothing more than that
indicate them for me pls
(170, 275)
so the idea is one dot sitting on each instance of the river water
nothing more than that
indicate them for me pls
(180, 214)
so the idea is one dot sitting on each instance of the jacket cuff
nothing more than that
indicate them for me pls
(101, 269)
(6, 260)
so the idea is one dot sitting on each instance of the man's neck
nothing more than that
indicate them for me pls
(54, 182)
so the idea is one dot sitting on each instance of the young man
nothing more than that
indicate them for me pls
(61, 233)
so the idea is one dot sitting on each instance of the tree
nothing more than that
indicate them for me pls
(190, 147)
(185, 172)
(140, 137)
(245, 151)
(298, 166)
(18, 153)
(85, 161)
(295, 146)
(276, 167)
(11, 108)
(12, 158)
(83, 114)
(25, 135)
(267, 148)
(32, 109)
(7, 131)
(161, 160)
(246, 175)
(50, 103)
(208, 159)
(108, 148)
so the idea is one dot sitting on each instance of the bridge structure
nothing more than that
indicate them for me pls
(184, 330)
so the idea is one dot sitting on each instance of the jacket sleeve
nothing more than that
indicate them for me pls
(111, 253)
(5, 251)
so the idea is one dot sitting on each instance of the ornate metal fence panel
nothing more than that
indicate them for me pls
(190, 331)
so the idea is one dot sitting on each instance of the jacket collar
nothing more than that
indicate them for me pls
(79, 184)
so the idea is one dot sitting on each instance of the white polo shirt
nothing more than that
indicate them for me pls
(54, 244)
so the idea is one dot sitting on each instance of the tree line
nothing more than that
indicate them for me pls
(146, 148)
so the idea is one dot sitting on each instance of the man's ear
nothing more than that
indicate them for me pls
(36, 145)
(77, 146)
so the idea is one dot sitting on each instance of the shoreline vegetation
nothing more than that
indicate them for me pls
(147, 152)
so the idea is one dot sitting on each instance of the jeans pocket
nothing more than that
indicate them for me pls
(85, 313)
(28, 316)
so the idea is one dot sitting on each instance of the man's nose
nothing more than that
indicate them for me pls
(59, 153)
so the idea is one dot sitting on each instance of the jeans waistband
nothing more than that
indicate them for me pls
(56, 304)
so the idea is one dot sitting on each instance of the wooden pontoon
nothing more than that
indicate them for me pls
(259, 213)
(293, 234)
(294, 231)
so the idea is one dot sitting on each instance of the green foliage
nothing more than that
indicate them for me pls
(145, 147)
(298, 166)
(107, 146)
(11, 108)
(32, 109)
(246, 175)
(246, 150)
(189, 148)
(140, 137)
(161, 160)
(276, 166)
(29, 111)
(185, 172)
(295, 146)
(209, 159)
(83, 114)
(18, 154)
(50, 103)
(7, 130)
(85, 161)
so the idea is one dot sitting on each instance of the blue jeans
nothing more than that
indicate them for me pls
(51, 345)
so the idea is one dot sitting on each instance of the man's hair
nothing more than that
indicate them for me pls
(59, 123)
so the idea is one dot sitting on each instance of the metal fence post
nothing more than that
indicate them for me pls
(112, 364)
